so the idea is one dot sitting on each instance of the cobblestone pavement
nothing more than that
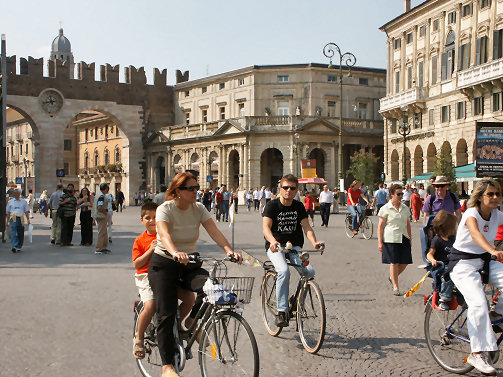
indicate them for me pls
(68, 312)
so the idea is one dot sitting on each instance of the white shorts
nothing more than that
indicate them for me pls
(143, 285)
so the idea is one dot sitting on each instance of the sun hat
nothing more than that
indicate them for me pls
(441, 180)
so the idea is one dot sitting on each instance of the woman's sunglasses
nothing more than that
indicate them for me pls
(190, 188)
(491, 194)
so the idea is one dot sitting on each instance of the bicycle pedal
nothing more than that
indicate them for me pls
(188, 354)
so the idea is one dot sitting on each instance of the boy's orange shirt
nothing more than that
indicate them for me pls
(140, 247)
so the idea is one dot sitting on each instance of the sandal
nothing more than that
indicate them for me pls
(138, 348)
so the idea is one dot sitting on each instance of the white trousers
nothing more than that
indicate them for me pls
(469, 282)
(109, 223)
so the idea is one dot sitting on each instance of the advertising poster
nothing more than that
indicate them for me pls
(489, 152)
(308, 168)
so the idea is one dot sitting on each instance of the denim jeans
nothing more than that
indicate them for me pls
(446, 286)
(225, 210)
(353, 210)
(283, 279)
(16, 233)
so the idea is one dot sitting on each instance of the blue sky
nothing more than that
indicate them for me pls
(202, 36)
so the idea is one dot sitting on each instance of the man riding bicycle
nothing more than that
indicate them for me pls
(284, 220)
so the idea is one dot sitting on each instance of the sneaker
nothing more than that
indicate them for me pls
(281, 319)
(443, 305)
(480, 361)
(106, 251)
(52, 241)
(355, 232)
(98, 252)
(13, 250)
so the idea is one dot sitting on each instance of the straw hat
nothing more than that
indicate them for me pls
(441, 180)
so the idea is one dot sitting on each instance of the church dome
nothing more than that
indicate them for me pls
(61, 43)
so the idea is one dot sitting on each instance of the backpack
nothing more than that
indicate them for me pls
(98, 214)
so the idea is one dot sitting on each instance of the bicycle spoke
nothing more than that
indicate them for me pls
(311, 317)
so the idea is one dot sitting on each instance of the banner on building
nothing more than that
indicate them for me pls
(489, 149)
(308, 168)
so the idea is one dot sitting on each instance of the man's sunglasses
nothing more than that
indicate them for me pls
(190, 188)
(440, 186)
(286, 188)
(399, 194)
(491, 194)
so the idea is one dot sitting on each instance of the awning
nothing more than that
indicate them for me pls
(465, 173)
(312, 180)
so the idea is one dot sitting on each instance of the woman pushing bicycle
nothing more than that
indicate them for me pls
(178, 221)
(471, 265)
(284, 220)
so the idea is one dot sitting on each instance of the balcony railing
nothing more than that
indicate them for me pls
(480, 73)
(401, 99)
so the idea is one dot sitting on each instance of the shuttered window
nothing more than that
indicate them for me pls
(464, 56)
(420, 74)
(498, 44)
(434, 74)
(481, 51)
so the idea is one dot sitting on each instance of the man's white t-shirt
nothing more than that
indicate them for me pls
(19, 207)
(267, 194)
(256, 195)
(326, 197)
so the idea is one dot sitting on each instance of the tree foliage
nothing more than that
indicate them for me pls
(445, 167)
(363, 166)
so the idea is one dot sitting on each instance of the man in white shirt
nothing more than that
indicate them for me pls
(16, 208)
(110, 199)
(256, 199)
(267, 194)
(326, 199)
(262, 199)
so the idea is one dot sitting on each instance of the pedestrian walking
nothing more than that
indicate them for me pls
(68, 208)
(43, 202)
(335, 207)
(394, 236)
(326, 199)
(262, 199)
(100, 214)
(249, 199)
(135, 198)
(120, 200)
(416, 204)
(161, 196)
(206, 199)
(31, 200)
(218, 204)
(226, 202)
(309, 205)
(16, 208)
(441, 199)
(86, 220)
(256, 199)
(381, 197)
(234, 199)
(110, 214)
(56, 220)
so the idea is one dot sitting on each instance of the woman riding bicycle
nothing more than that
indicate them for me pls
(178, 221)
(470, 259)
(354, 194)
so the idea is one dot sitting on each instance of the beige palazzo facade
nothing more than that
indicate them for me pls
(444, 73)
(248, 127)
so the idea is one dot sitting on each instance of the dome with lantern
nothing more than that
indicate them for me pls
(61, 48)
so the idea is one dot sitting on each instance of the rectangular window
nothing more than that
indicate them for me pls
(241, 108)
(445, 114)
(451, 18)
(283, 108)
(362, 111)
(204, 89)
(460, 110)
(434, 74)
(431, 116)
(96, 133)
(447, 66)
(467, 10)
(393, 126)
(484, 4)
(418, 120)
(332, 78)
(26, 148)
(221, 85)
(397, 43)
(222, 112)
(67, 145)
(464, 57)
(478, 106)
(420, 74)
(187, 118)
(331, 108)
(66, 167)
(86, 134)
(435, 25)
(397, 81)
(20, 149)
(481, 51)
(409, 77)
(498, 44)
(363, 81)
(241, 82)
(282, 78)
(116, 131)
(187, 93)
(497, 101)
(408, 38)
(204, 115)
(422, 31)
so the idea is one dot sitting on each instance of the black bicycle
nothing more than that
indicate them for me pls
(365, 223)
(307, 305)
(227, 345)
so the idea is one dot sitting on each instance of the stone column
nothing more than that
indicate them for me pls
(220, 164)
(246, 167)
(167, 178)
(332, 179)
(475, 21)
(241, 166)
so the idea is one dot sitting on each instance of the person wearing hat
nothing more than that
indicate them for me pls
(441, 199)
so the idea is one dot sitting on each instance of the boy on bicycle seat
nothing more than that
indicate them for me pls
(143, 249)
(444, 226)
(285, 219)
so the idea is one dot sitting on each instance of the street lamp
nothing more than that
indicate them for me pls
(404, 130)
(296, 146)
(349, 60)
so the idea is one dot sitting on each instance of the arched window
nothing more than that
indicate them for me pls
(96, 158)
(117, 156)
(107, 157)
(448, 56)
(86, 160)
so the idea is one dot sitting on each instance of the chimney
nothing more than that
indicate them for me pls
(406, 6)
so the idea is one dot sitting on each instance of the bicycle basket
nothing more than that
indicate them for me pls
(240, 286)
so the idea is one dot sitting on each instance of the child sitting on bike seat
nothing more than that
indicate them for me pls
(143, 249)
(444, 226)
(284, 220)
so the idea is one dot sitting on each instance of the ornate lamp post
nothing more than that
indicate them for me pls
(404, 130)
(296, 146)
(349, 60)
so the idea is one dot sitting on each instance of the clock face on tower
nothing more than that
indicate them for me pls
(51, 101)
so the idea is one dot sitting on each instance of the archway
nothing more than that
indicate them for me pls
(194, 164)
(418, 161)
(177, 164)
(271, 167)
(234, 169)
(160, 167)
(431, 153)
(394, 166)
(318, 155)
(461, 153)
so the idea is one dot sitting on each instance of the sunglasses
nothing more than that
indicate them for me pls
(190, 188)
(286, 188)
(399, 194)
(438, 186)
(491, 194)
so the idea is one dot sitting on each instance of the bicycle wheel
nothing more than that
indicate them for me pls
(151, 365)
(367, 228)
(311, 317)
(269, 304)
(348, 226)
(228, 347)
(446, 335)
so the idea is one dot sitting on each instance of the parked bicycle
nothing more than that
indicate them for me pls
(365, 223)
(307, 305)
(227, 345)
